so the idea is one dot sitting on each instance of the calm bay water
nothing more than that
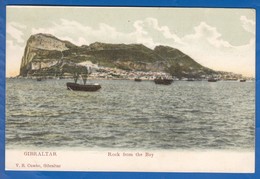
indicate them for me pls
(133, 115)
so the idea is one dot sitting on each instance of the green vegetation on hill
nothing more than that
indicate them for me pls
(42, 48)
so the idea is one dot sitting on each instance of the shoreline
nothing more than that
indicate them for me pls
(125, 79)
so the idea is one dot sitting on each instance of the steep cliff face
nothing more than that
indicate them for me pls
(42, 51)
(47, 55)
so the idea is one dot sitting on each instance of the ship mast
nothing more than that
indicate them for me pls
(85, 73)
(76, 76)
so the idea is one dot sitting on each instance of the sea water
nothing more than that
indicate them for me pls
(132, 115)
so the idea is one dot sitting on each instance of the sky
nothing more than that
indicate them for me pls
(221, 39)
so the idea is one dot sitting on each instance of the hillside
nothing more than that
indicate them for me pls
(45, 54)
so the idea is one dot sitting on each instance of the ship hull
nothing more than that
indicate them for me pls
(163, 81)
(79, 87)
(138, 79)
(212, 80)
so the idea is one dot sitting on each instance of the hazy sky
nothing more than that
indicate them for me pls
(221, 39)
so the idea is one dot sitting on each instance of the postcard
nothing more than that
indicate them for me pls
(130, 89)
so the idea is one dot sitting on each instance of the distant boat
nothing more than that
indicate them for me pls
(212, 80)
(138, 79)
(163, 81)
(242, 80)
(39, 79)
(83, 87)
(190, 79)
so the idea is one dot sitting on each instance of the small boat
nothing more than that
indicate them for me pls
(242, 80)
(163, 81)
(138, 79)
(212, 80)
(190, 79)
(83, 87)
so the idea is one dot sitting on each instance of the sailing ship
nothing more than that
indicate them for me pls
(83, 72)
(40, 74)
(212, 80)
(39, 79)
(138, 79)
(163, 81)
